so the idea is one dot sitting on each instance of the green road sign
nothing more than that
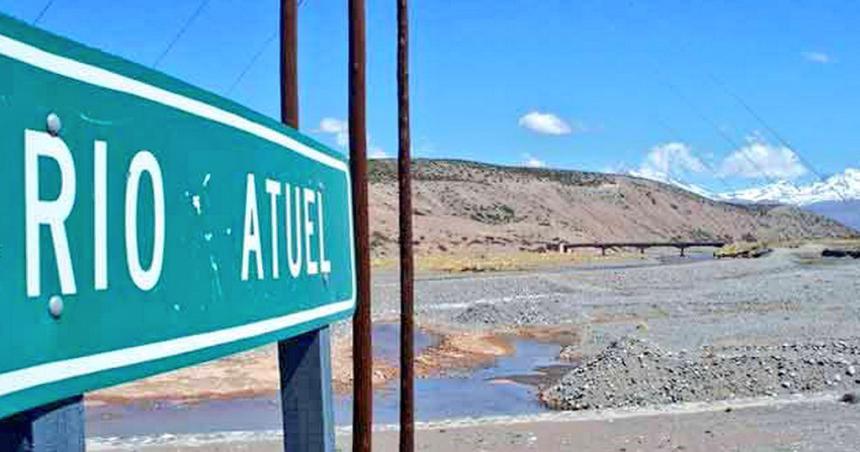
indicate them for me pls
(148, 225)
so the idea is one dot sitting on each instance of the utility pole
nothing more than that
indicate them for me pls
(362, 413)
(289, 63)
(304, 361)
(407, 358)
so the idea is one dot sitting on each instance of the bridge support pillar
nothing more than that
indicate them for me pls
(682, 251)
(642, 250)
(603, 251)
(561, 249)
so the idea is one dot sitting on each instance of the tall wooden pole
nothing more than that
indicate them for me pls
(407, 365)
(362, 414)
(304, 361)
(289, 63)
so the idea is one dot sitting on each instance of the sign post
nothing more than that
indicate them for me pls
(149, 225)
(56, 426)
(304, 361)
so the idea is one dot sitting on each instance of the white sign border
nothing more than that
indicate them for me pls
(42, 374)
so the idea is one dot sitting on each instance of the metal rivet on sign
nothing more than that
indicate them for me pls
(54, 124)
(55, 306)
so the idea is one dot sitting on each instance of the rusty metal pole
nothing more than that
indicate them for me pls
(304, 361)
(362, 360)
(289, 64)
(407, 365)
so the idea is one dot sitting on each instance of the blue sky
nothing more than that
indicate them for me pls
(596, 85)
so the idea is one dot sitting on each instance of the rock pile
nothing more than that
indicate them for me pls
(634, 372)
(513, 314)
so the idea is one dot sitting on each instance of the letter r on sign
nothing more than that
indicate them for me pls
(53, 213)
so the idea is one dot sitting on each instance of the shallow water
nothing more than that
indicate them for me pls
(493, 390)
(386, 341)
(497, 389)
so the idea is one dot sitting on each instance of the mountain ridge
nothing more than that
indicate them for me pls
(838, 187)
(463, 205)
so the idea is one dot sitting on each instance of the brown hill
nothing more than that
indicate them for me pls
(469, 206)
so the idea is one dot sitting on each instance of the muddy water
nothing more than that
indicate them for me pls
(505, 387)
(386, 341)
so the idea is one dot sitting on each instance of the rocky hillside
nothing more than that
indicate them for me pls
(460, 206)
(845, 212)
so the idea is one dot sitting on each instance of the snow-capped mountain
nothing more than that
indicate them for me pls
(690, 188)
(839, 187)
(837, 197)
(666, 179)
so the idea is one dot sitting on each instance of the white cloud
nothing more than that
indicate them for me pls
(669, 160)
(376, 152)
(340, 129)
(337, 127)
(532, 161)
(546, 123)
(817, 57)
(761, 159)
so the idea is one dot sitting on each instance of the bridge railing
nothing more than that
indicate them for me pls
(564, 247)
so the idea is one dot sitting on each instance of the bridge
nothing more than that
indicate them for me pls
(564, 247)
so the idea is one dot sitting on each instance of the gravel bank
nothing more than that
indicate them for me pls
(654, 333)
(636, 372)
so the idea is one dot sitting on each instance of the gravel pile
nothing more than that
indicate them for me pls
(518, 314)
(634, 372)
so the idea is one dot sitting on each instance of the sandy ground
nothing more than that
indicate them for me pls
(815, 427)
(818, 423)
(789, 296)
(255, 373)
(685, 308)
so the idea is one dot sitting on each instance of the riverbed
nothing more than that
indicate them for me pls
(695, 311)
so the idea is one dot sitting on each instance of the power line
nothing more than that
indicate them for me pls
(181, 32)
(773, 131)
(652, 59)
(763, 173)
(256, 57)
(726, 137)
(704, 163)
(732, 142)
(746, 106)
(674, 132)
(42, 12)
(252, 61)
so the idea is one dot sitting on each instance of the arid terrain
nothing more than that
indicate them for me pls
(654, 351)
(551, 351)
(462, 206)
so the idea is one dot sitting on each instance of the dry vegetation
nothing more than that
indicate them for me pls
(475, 262)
